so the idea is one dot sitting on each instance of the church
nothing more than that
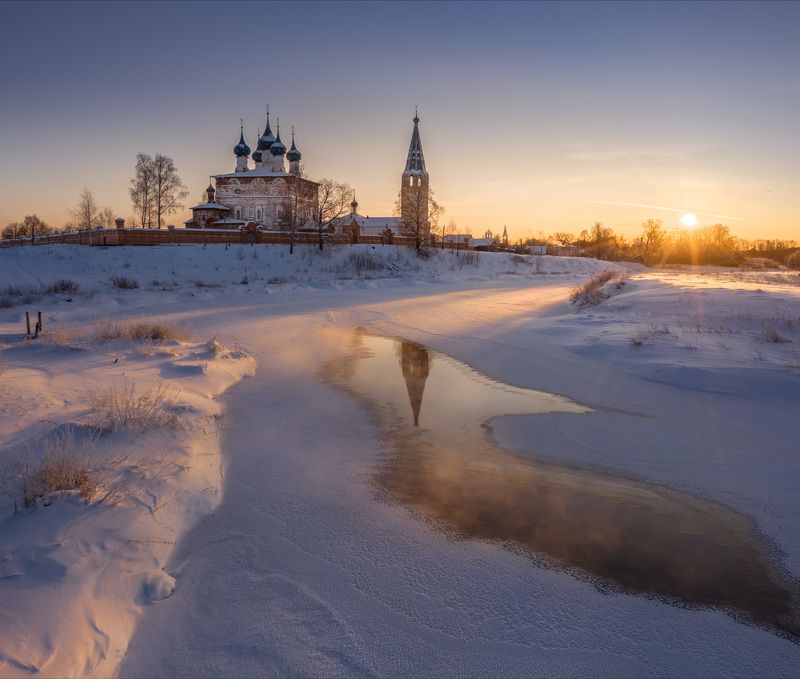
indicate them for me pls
(414, 187)
(267, 194)
(274, 199)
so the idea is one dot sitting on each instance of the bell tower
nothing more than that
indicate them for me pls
(414, 188)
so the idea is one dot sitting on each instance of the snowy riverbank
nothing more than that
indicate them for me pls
(301, 569)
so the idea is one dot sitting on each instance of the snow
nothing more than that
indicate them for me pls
(253, 172)
(299, 568)
(209, 206)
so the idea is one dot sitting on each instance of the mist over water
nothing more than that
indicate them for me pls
(641, 538)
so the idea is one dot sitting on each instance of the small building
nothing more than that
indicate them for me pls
(457, 239)
(482, 244)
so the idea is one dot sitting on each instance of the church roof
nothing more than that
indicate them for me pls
(256, 172)
(371, 224)
(416, 160)
(209, 206)
(230, 220)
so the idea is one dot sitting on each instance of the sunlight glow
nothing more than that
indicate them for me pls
(689, 219)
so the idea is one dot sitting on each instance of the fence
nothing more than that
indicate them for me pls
(194, 236)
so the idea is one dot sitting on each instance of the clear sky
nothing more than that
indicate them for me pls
(544, 117)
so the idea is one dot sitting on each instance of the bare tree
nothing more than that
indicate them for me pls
(168, 189)
(105, 217)
(142, 189)
(296, 216)
(333, 202)
(654, 237)
(33, 226)
(13, 230)
(85, 212)
(421, 214)
(563, 238)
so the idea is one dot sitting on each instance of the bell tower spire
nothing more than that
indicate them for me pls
(416, 160)
(414, 187)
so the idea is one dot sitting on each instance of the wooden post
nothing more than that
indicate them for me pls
(28, 322)
(39, 323)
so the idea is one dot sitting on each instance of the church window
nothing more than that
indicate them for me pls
(258, 214)
(238, 213)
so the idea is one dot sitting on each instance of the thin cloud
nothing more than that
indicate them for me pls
(681, 210)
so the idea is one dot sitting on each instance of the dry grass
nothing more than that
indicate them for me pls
(215, 346)
(124, 283)
(63, 286)
(592, 292)
(60, 464)
(61, 335)
(157, 331)
(772, 336)
(123, 407)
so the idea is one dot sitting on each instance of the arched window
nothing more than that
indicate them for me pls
(258, 214)
(411, 181)
(238, 213)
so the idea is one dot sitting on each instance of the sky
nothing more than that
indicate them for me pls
(541, 117)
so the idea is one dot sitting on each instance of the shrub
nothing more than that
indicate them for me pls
(468, 258)
(60, 465)
(63, 286)
(159, 331)
(122, 407)
(771, 335)
(124, 283)
(793, 260)
(592, 291)
(20, 294)
(214, 346)
(363, 260)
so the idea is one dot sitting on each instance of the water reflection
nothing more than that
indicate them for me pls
(414, 364)
(643, 538)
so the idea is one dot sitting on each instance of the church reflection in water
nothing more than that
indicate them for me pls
(415, 364)
(644, 538)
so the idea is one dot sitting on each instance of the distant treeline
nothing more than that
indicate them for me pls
(657, 246)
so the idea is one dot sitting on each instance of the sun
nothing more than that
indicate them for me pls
(689, 219)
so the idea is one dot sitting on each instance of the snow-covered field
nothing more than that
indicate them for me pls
(296, 567)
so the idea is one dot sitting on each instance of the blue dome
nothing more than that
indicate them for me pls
(266, 140)
(241, 149)
(293, 154)
(278, 148)
(257, 156)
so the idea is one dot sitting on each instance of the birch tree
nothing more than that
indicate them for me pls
(168, 189)
(142, 189)
(334, 201)
(419, 204)
(84, 214)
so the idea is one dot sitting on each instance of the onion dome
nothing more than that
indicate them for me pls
(257, 156)
(278, 148)
(293, 154)
(267, 139)
(210, 191)
(241, 150)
